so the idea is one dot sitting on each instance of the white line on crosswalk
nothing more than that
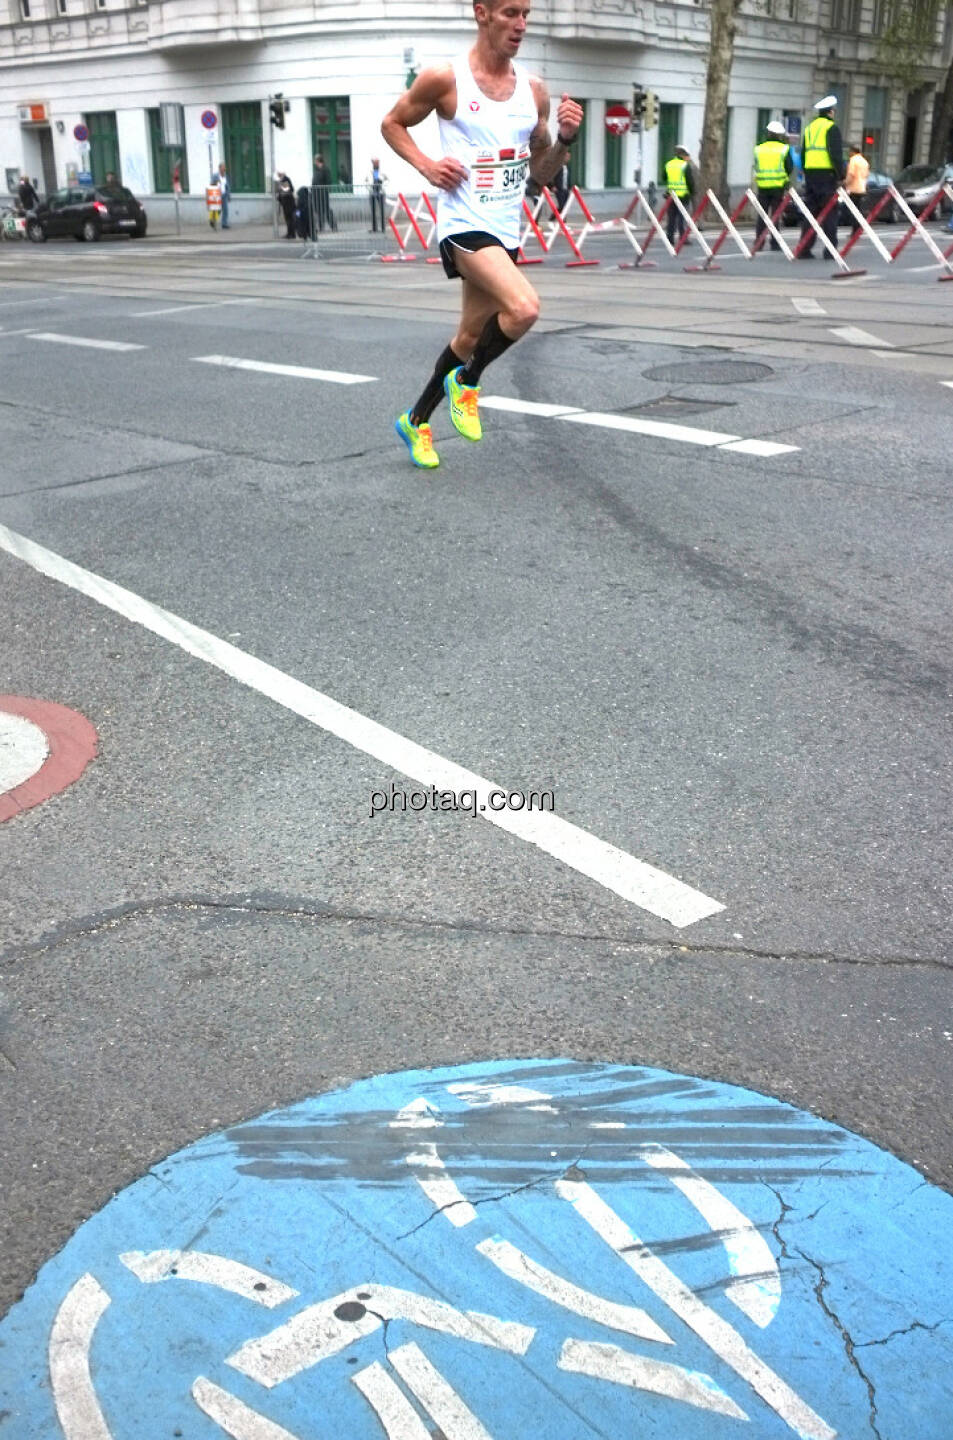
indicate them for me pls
(198, 305)
(663, 429)
(855, 336)
(624, 875)
(83, 340)
(298, 372)
(808, 307)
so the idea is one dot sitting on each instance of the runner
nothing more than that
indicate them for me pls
(494, 132)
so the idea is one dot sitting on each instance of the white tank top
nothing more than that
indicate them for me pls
(491, 138)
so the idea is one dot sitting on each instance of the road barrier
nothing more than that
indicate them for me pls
(569, 235)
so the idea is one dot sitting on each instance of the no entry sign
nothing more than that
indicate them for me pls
(536, 1248)
(618, 119)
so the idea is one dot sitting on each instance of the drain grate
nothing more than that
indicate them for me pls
(710, 372)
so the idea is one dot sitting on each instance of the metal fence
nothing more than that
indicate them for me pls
(343, 221)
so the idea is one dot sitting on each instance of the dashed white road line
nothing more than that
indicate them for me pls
(623, 874)
(665, 430)
(855, 336)
(947, 383)
(197, 305)
(84, 341)
(299, 372)
(808, 307)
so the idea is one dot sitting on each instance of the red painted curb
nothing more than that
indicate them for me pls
(73, 743)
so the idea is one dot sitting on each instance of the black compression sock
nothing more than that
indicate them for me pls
(433, 391)
(490, 345)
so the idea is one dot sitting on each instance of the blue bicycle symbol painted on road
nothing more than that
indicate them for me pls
(535, 1248)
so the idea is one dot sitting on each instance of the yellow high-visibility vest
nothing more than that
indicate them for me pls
(769, 171)
(815, 144)
(675, 176)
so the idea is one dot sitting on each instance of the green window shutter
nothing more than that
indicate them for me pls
(244, 147)
(669, 124)
(165, 159)
(577, 155)
(331, 137)
(613, 156)
(103, 145)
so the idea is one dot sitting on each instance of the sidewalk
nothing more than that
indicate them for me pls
(250, 234)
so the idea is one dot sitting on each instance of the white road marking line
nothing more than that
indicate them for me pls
(663, 429)
(224, 1274)
(632, 879)
(855, 336)
(756, 1288)
(608, 1362)
(479, 1095)
(298, 372)
(442, 1403)
(319, 1331)
(519, 1267)
(417, 1115)
(947, 383)
(920, 269)
(808, 306)
(389, 1403)
(6, 334)
(526, 407)
(440, 1189)
(233, 1415)
(82, 340)
(70, 1338)
(723, 1338)
(23, 749)
(16, 304)
(764, 448)
(198, 305)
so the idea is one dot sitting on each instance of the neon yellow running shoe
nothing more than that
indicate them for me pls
(419, 441)
(463, 405)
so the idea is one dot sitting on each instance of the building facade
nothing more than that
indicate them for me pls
(82, 82)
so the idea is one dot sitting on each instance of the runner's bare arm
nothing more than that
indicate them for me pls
(547, 156)
(434, 89)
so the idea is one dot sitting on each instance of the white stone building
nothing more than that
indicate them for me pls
(103, 67)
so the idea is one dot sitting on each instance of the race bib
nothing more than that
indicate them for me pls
(500, 174)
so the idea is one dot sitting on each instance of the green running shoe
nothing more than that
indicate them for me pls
(463, 405)
(419, 441)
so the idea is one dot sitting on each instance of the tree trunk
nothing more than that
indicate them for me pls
(942, 121)
(721, 53)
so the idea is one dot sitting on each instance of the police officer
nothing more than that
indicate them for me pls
(679, 181)
(824, 169)
(772, 167)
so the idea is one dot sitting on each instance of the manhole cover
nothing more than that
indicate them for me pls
(710, 372)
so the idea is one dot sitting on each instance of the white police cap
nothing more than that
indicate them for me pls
(828, 103)
(775, 127)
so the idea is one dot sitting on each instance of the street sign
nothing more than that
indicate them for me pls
(209, 119)
(84, 177)
(542, 1248)
(80, 133)
(618, 119)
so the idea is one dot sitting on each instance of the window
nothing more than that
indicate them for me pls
(875, 123)
(165, 158)
(845, 15)
(577, 155)
(24, 9)
(331, 136)
(244, 149)
(670, 123)
(613, 155)
(103, 145)
(61, 7)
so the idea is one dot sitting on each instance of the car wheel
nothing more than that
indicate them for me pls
(35, 232)
(91, 230)
(140, 230)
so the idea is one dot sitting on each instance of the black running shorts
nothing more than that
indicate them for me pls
(469, 240)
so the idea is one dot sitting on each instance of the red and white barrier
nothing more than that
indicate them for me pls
(419, 223)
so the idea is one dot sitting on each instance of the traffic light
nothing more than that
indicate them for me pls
(650, 112)
(638, 102)
(277, 109)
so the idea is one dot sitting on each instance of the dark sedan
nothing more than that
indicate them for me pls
(87, 214)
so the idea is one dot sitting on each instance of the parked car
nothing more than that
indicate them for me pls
(918, 185)
(87, 214)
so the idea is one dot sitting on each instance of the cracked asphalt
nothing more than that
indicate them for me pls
(735, 668)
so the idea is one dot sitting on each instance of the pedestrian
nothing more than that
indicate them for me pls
(376, 180)
(26, 194)
(493, 119)
(680, 183)
(303, 213)
(772, 169)
(823, 161)
(321, 185)
(285, 198)
(111, 178)
(226, 189)
(855, 183)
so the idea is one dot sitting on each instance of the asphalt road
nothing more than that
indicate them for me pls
(734, 666)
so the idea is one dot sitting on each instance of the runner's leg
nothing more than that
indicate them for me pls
(499, 307)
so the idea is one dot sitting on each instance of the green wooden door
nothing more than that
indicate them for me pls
(244, 148)
(577, 155)
(613, 156)
(331, 136)
(165, 158)
(103, 145)
(669, 124)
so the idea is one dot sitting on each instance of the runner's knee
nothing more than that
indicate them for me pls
(520, 315)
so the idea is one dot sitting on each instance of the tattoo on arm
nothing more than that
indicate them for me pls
(546, 156)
